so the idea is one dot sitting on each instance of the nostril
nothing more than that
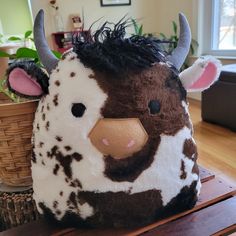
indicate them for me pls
(118, 138)
(105, 142)
(131, 143)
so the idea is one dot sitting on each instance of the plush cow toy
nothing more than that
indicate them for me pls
(112, 137)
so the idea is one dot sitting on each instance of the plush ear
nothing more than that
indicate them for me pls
(201, 75)
(27, 79)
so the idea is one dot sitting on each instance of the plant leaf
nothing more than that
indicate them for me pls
(14, 38)
(135, 25)
(57, 54)
(192, 49)
(26, 53)
(195, 42)
(4, 54)
(163, 35)
(173, 39)
(28, 33)
(140, 31)
(174, 27)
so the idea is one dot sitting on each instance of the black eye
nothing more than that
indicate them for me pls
(154, 106)
(78, 109)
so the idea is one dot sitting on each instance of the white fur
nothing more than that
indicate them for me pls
(189, 76)
(185, 106)
(163, 174)
(74, 131)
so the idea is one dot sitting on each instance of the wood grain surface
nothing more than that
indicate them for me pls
(208, 221)
(216, 145)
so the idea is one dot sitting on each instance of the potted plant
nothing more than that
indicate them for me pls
(16, 119)
(169, 43)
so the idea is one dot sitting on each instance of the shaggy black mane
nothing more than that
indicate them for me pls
(108, 50)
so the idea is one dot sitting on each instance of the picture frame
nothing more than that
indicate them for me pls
(76, 22)
(112, 3)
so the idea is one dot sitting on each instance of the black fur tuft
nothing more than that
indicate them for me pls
(107, 50)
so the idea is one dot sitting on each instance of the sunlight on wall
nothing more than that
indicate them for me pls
(15, 16)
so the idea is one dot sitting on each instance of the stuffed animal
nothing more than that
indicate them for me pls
(112, 137)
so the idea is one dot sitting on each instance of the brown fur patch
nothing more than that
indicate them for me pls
(42, 108)
(48, 107)
(72, 200)
(128, 97)
(58, 212)
(53, 152)
(183, 174)
(56, 168)
(37, 126)
(61, 193)
(47, 125)
(91, 76)
(72, 74)
(120, 209)
(130, 168)
(33, 157)
(67, 148)
(43, 116)
(55, 100)
(57, 83)
(43, 163)
(72, 58)
(55, 204)
(41, 144)
(76, 183)
(64, 161)
(195, 169)
(189, 149)
(59, 138)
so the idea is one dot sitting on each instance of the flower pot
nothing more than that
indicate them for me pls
(16, 120)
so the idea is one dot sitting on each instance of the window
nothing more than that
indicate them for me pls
(224, 20)
(219, 28)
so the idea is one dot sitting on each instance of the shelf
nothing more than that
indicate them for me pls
(62, 41)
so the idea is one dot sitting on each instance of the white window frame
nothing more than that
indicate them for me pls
(205, 26)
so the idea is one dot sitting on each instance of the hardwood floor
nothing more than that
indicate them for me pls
(216, 145)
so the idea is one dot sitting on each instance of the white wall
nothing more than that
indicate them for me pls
(155, 15)
(139, 9)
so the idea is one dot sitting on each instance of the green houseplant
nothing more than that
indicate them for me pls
(169, 42)
(22, 53)
(173, 41)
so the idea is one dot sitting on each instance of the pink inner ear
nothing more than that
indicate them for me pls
(23, 83)
(207, 78)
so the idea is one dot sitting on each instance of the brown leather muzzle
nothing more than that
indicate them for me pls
(119, 138)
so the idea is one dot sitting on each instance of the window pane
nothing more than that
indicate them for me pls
(224, 32)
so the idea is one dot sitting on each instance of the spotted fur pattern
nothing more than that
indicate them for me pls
(70, 177)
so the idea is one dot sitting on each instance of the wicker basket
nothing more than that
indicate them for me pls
(16, 209)
(16, 121)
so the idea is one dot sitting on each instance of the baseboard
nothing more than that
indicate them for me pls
(196, 96)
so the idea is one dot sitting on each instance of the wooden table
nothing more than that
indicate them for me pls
(214, 214)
